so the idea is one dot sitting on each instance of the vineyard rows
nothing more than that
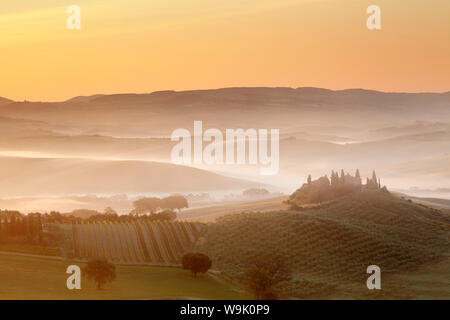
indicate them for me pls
(136, 242)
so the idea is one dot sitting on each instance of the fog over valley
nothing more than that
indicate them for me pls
(120, 144)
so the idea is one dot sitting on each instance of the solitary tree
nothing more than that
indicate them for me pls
(196, 262)
(109, 211)
(266, 272)
(259, 281)
(100, 271)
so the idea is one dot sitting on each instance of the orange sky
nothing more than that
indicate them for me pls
(143, 46)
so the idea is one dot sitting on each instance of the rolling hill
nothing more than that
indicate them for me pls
(331, 247)
(328, 249)
(157, 113)
(61, 176)
(211, 212)
(320, 129)
(4, 101)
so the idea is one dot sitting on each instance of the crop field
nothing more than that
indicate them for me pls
(211, 212)
(135, 242)
(332, 246)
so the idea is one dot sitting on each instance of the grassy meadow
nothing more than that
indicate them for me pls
(24, 277)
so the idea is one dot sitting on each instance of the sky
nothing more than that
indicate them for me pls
(149, 45)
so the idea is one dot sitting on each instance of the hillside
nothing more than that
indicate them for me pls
(59, 176)
(4, 101)
(320, 129)
(15, 128)
(445, 203)
(32, 141)
(155, 113)
(137, 242)
(412, 128)
(331, 246)
(211, 212)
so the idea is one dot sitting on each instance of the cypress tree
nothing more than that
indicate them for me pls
(6, 225)
(358, 176)
(39, 227)
(13, 229)
(27, 227)
(31, 223)
(39, 222)
(23, 226)
(374, 177)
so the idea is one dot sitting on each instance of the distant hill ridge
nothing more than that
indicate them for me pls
(242, 90)
(4, 101)
(250, 90)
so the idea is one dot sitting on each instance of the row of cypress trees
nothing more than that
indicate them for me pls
(14, 224)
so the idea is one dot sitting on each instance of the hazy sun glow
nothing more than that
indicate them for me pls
(142, 46)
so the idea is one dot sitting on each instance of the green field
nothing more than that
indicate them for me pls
(23, 277)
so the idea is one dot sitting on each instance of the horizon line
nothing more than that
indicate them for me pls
(227, 88)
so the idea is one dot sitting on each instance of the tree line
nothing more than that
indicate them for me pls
(13, 224)
(152, 208)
